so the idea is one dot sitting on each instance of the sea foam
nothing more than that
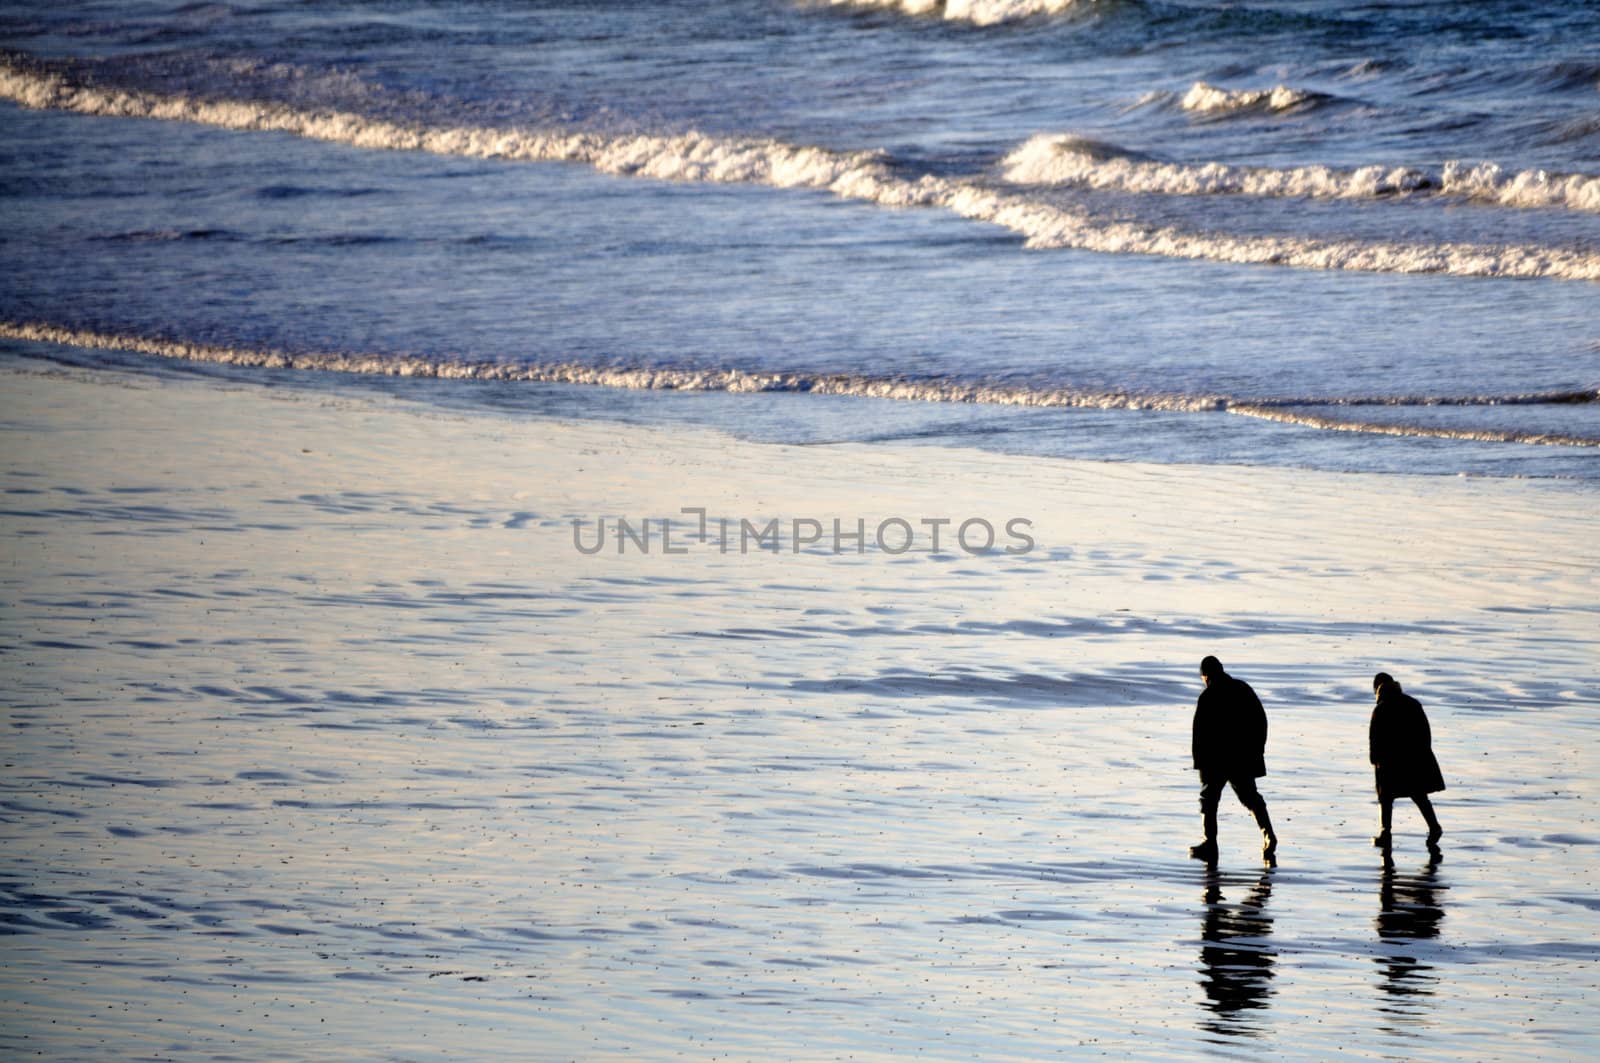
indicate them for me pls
(1209, 99)
(1062, 159)
(1291, 410)
(864, 176)
(977, 12)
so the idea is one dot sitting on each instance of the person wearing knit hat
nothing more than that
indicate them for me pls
(1229, 748)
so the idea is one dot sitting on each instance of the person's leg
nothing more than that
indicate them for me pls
(1385, 819)
(1251, 798)
(1425, 806)
(1210, 794)
(1269, 837)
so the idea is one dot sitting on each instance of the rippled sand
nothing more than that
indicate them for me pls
(323, 741)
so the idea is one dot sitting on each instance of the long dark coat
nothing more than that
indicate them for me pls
(1399, 744)
(1230, 731)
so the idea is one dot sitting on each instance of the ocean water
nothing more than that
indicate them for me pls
(1331, 235)
(325, 745)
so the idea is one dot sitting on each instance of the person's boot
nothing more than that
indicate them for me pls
(1435, 832)
(1269, 837)
(1385, 819)
(1206, 850)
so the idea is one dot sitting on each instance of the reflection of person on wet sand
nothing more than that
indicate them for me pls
(1409, 911)
(1235, 962)
(1229, 746)
(1400, 745)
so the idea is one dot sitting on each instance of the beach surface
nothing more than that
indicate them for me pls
(327, 738)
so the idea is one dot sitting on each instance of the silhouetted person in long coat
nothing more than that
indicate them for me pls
(1230, 743)
(1400, 746)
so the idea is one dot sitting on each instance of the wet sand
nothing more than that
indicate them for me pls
(324, 741)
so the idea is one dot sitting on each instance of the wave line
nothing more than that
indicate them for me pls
(1065, 159)
(977, 12)
(1478, 435)
(738, 381)
(1210, 99)
(863, 176)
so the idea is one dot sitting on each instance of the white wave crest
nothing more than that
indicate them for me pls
(977, 12)
(628, 377)
(1052, 159)
(1349, 424)
(1209, 99)
(739, 381)
(684, 157)
(1529, 188)
(1049, 226)
(1057, 159)
(862, 176)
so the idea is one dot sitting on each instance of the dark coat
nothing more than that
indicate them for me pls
(1230, 731)
(1399, 744)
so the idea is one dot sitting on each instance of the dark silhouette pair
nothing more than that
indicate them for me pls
(1230, 742)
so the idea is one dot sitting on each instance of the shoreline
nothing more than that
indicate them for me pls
(1296, 412)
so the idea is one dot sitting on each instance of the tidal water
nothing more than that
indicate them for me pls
(1346, 236)
(322, 742)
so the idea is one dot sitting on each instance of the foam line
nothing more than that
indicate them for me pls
(977, 12)
(744, 381)
(629, 377)
(861, 176)
(1339, 424)
(1064, 159)
(1209, 99)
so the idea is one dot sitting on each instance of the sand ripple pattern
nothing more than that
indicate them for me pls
(863, 176)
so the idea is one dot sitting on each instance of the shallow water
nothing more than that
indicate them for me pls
(391, 771)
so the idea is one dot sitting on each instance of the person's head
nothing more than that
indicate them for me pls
(1210, 668)
(1381, 680)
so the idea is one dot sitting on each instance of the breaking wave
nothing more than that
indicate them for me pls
(629, 377)
(977, 12)
(686, 157)
(1283, 414)
(1060, 159)
(906, 389)
(865, 176)
(1527, 188)
(1211, 100)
